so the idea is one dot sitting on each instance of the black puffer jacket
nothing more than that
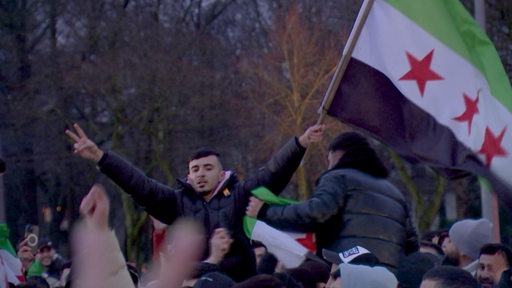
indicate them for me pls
(225, 209)
(350, 208)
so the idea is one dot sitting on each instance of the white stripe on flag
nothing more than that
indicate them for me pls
(283, 246)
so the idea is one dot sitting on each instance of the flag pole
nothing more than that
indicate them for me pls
(345, 57)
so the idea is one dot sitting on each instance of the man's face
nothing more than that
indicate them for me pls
(205, 173)
(46, 256)
(490, 268)
(451, 252)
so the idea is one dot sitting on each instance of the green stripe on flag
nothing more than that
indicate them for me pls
(451, 24)
(270, 198)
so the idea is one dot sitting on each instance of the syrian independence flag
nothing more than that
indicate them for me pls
(11, 269)
(290, 248)
(425, 79)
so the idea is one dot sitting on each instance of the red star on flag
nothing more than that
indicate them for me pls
(492, 146)
(308, 241)
(420, 71)
(471, 110)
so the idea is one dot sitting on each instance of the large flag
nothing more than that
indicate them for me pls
(291, 248)
(11, 269)
(425, 79)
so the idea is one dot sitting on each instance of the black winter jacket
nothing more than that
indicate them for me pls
(225, 209)
(350, 208)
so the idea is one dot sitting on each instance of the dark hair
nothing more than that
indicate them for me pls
(201, 153)
(493, 248)
(267, 264)
(2, 165)
(451, 277)
(412, 268)
(432, 245)
(358, 154)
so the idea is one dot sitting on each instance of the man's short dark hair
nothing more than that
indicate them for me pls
(358, 154)
(493, 248)
(203, 152)
(434, 246)
(347, 141)
(451, 277)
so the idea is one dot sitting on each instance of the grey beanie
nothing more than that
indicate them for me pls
(469, 235)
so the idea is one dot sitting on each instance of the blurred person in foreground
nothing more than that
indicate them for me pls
(99, 263)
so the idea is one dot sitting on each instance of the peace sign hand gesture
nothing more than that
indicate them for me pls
(83, 146)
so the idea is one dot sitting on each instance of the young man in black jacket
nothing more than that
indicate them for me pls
(209, 194)
(353, 205)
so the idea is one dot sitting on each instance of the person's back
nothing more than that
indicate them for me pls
(374, 216)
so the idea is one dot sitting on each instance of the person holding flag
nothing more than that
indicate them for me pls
(353, 205)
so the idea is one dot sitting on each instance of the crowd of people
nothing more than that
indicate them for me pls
(364, 232)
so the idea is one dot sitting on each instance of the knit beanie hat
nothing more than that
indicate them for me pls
(469, 235)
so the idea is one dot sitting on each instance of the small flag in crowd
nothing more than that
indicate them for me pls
(291, 248)
(11, 269)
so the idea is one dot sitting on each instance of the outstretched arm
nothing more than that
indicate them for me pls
(83, 146)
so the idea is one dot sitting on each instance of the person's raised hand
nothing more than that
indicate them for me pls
(95, 208)
(83, 146)
(219, 245)
(25, 254)
(312, 135)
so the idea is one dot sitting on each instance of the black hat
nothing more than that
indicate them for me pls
(354, 255)
(44, 243)
(214, 280)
